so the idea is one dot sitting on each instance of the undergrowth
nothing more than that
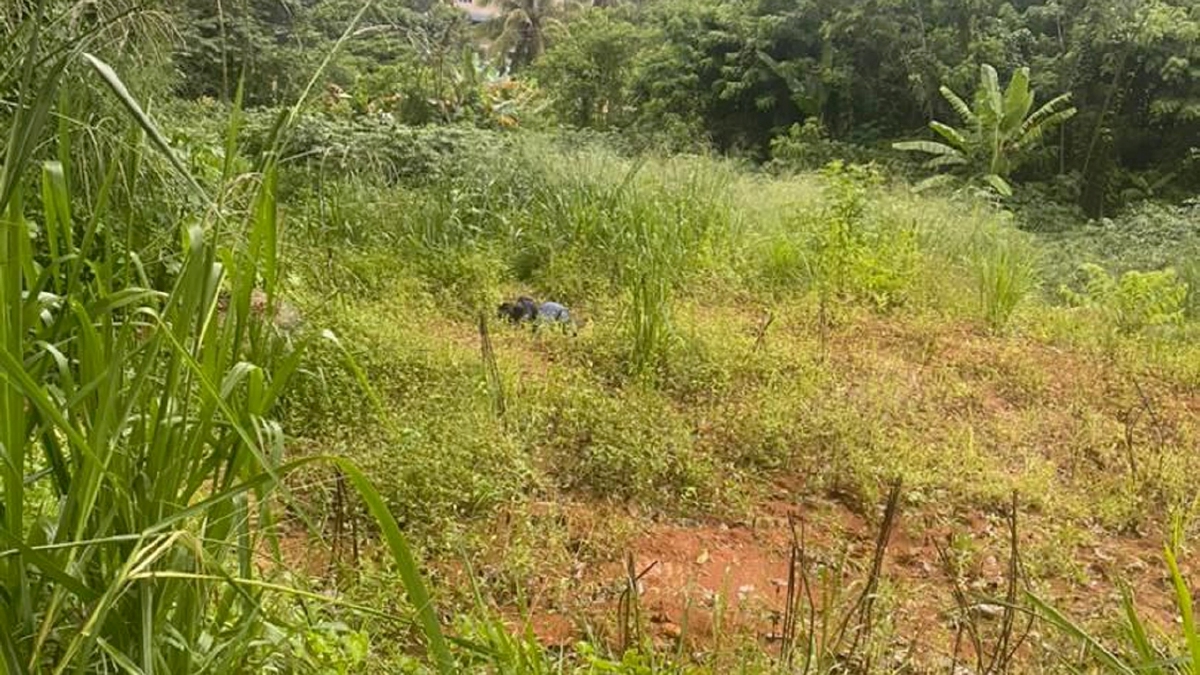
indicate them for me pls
(828, 331)
(828, 328)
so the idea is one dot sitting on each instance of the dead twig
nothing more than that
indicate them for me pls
(798, 588)
(629, 620)
(999, 657)
(761, 334)
(1156, 424)
(862, 612)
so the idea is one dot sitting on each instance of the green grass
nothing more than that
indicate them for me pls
(904, 330)
(748, 340)
(831, 331)
(143, 470)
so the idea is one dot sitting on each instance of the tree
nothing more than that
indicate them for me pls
(521, 31)
(701, 73)
(999, 129)
(222, 41)
(589, 73)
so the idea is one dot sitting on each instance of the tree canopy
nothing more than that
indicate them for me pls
(735, 74)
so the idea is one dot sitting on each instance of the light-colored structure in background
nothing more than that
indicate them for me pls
(476, 12)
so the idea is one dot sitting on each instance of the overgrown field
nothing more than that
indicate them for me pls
(824, 412)
(760, 356)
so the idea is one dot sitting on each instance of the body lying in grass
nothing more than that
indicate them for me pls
(526, 309)
(555, 315)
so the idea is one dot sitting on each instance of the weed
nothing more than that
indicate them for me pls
(1133, 302)
(626, 445)
(1005, 268)
(145, 408)
(750, 336)
(1140, 651)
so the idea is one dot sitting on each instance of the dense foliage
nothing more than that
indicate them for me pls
(735, 75)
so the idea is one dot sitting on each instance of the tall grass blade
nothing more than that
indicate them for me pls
(410, 573)
(1183, 597)
(1137, 633)
(118, 87)
(1110, 661)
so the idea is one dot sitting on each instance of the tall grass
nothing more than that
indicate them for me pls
(577, 224)
(1005, 267)
(142, 470)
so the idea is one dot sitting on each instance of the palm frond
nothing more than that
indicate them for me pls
(952, 135)
(999, 184)
(932, 182)
(1048, 110)
(1032, 133)
(989, 101)
(794, 85)
(930, 147)
(960, 106)
(946, 160)
(1018, 100)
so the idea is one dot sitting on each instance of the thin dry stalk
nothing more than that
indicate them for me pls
(343, 516)
(965, 623)
(338, 513)
(1130, 419)
(760, 336)
(1155, 422)
(799, 590)
(862, 612)
(491, 371)
(791, 604)
(629, 620)
(1006, 647)
(999, 657)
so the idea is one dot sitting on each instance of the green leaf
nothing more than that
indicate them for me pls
(121, 659)
(1183, 597)
(114, 82)
(960, 106)
(932, 182)
(795, 86)
(954, 136)
(930, 147)
(1137, 631)
(47, 566)
(945, 160)
(989, 101)
(414, 585)
(999, 184)
(1061, 622)
(1018, 100)
(1044, 119)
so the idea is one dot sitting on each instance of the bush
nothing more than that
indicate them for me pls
(807, 148)
(388, 153)
(1133, 301)
(624, 444)
(1147, 237)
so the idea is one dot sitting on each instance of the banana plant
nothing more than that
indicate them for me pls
(997, 132)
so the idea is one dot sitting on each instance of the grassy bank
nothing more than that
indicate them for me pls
(754, 348)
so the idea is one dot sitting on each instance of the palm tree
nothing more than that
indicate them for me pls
(997, 132)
